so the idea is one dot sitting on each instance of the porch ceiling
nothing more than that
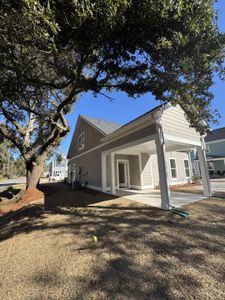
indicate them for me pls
(150, 147)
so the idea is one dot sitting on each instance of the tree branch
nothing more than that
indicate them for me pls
(17, 125)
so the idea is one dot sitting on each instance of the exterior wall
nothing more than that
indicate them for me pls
(146, 169)
(134, 171)
(91, 161)
(92, 138)
(216, 148)
(155, 170)
(181, 176)
(174, 123)
(219, 165)
(129, 138)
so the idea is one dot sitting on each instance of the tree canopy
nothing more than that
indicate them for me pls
(52, 51)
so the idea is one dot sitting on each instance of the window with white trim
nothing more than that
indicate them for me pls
(81, 141)
(173, 168)
(187, 167)
(207, 149)
(210, 165)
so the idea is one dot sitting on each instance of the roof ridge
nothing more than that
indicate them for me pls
(218, 128)
(103, 126)
(99, 119)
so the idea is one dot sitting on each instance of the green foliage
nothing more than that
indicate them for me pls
(196, 179)
(52, 51)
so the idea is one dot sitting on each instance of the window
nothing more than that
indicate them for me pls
(187, 168)
(81, 141)
(210, 165)
(207, 149)
(173, 168)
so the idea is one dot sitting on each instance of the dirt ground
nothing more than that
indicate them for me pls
(141, 253)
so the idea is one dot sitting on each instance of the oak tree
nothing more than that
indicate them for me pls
(53, 51)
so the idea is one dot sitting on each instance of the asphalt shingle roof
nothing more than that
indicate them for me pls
(216, 134)
(106, 127)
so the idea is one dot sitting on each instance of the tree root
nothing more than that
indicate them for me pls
(30, 195)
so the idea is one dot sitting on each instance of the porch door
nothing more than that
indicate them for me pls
(123, 174)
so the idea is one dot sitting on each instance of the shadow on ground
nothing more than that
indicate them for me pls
(141, 253)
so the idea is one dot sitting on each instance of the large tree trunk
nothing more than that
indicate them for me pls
(34, 171)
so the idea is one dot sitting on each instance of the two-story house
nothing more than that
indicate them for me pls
(58, 169)
(150, 151)
(215, 151)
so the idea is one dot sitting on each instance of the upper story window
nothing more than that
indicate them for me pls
(81, 141)
(207, 149)
(173, 168)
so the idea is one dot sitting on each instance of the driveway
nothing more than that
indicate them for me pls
(153, 197)
(218, 185)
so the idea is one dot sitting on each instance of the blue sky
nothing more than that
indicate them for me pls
(124, 109)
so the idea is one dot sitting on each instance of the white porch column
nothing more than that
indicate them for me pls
(112, 169)
(162, 167)
(204, 169)
(104, 172)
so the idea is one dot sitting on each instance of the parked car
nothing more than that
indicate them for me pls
(57, 177)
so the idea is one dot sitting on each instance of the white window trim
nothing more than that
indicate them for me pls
(173, 178)
(128, 171)
(186, 168)
(82, 146)
(207, 149)
(210, 162)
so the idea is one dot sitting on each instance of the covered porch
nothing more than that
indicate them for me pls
(133, 170)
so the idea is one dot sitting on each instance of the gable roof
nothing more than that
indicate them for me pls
(126, 127)
(215, 135)
(143, 115)
(106, 127)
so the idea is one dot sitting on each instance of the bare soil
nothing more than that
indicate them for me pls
(141, 253)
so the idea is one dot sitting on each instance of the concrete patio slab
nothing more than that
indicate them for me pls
(153, 197)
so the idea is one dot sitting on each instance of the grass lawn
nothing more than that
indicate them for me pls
(141, 253)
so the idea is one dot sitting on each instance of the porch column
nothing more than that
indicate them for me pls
(204, 169)
(112, 169)
(104, 172)
(162, 168)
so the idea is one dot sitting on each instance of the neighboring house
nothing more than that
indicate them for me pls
(215, 153)
(58, 170)
(150, 151)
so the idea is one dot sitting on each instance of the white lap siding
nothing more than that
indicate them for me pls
(146, 169)
(181, 175)
(175, 123)
(91, 161)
